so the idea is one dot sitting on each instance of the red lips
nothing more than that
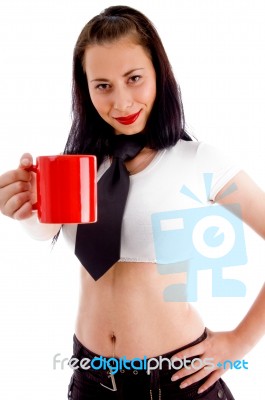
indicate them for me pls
(129, 119)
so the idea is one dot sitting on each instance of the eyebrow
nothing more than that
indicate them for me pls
(124, 75)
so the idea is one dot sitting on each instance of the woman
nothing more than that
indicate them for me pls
(123, 86)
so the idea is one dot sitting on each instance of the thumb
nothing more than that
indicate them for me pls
(26, 160)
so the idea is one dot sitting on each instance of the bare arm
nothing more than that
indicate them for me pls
(232, 345)
(252, 202)
(251, 199)
(39, 231)
(17, 194)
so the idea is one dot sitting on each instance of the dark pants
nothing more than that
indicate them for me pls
(136, 384)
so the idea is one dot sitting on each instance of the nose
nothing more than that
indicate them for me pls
(122, 98)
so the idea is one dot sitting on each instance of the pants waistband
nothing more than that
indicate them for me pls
(80, 352)
(158, 376)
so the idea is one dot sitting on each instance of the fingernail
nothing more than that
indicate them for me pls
(200, 391)
(174, 378)
(183, 385)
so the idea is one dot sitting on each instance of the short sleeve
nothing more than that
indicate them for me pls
(211, 160)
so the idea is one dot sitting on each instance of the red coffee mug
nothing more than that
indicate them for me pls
(66, 188)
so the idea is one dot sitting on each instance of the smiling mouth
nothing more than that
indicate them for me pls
(130, 119)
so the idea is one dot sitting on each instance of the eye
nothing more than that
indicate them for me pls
(103, 87)
(135, 78)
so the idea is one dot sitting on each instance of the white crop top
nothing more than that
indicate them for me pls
(158, 188)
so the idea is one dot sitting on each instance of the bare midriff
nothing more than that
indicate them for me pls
(124, 313)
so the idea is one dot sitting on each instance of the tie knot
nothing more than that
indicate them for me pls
(127, 147)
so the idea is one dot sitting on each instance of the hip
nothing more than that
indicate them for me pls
(144, 379)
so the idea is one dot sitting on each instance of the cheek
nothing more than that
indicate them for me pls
(92, 98)
(152, 94)
(148, 94)
(99, 103)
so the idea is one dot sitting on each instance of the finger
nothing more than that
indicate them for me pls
(202, 373)
(14, 176)
(192, 351)
(24, 212)
(26, 160)
(9, 191)
(13, 205)
(210, 381)
(196, 377)
(191, 367)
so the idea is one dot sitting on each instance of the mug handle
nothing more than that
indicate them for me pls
(33, 168)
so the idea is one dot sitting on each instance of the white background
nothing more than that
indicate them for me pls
(216, 48)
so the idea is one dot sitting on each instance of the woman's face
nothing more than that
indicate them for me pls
(122, 84)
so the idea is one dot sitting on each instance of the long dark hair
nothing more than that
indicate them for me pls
(89, 132)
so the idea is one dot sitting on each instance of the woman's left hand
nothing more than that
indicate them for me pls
(210, 354)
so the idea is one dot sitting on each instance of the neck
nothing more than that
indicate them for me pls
(141, 161)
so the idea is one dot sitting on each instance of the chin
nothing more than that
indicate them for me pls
(129, 130)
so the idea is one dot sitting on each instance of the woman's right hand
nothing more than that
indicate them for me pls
(18, 190)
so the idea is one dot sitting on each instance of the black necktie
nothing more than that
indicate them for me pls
(98, 245)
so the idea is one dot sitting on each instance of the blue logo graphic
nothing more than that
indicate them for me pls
(206, 237)
(237, 364)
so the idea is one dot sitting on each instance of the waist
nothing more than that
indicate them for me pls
(125, 366)
(146, 373)
(129, 301)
